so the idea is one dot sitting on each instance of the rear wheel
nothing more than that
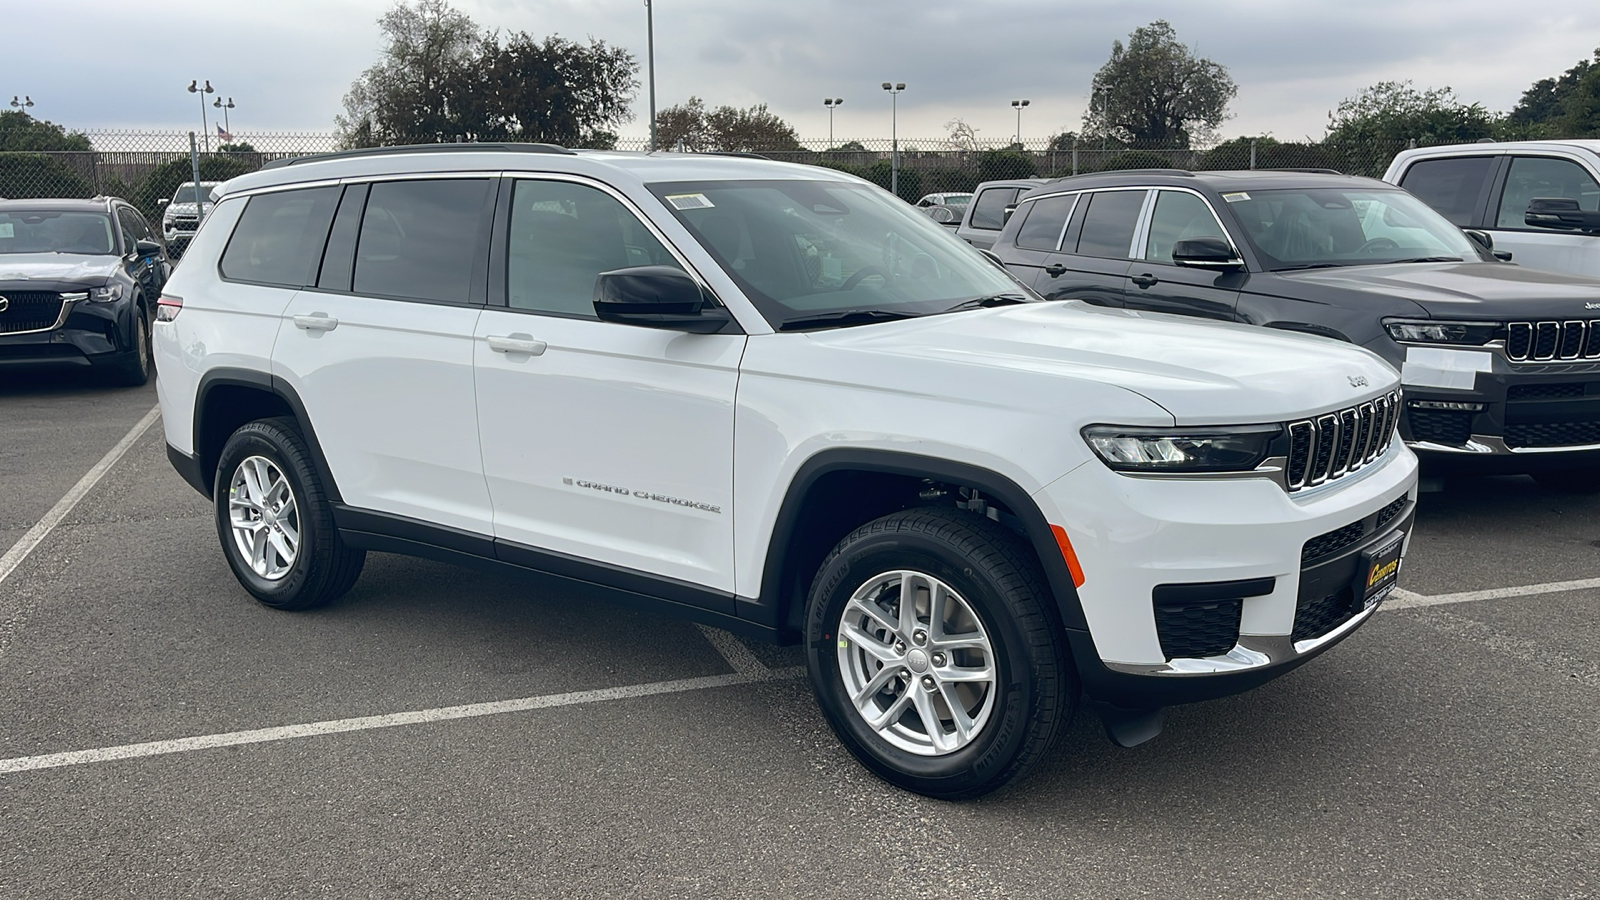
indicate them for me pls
(275, 522)
(934, 652)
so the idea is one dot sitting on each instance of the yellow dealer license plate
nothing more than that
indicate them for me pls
(1380, 571)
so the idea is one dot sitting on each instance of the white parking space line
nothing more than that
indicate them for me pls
(367, 723)
(1404, 599)
(734, 651)
(20, 550)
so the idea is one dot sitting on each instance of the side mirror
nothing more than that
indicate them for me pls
(656, 297)
(1561, 212)
(1005, 216)
(146, 247)
(1482, 238)
(1206, 253)
(162, 202)
(1503, 255)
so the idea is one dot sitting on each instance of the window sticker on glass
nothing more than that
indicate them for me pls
(7, 230)
(689, 201)
(1236, 197)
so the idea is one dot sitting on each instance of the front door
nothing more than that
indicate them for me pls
(601, 441)
(1540, 177)
(1156, 283)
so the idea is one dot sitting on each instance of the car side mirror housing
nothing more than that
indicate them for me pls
(656, 297)
(146, 247)
(1206, 253)
(1561, 212)
(1005, 215)
(162, 202)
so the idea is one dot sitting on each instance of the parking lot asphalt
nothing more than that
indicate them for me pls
(161, 735)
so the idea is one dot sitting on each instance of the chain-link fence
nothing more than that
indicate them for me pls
(147, 167)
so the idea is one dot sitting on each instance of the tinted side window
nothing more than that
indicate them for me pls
(134, 225)
(419, 239)
(1534, 177)
(1109, 224)
(988, 211)
(1047, 218)
(1179, 216)
(279, 237)
(562, 235)
(1451, 186)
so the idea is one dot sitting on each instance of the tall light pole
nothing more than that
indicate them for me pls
(894, 137)
(1018, 106)
(650, 54)
(226, 125)
(194, 88)
(830, 104)
(25, 104)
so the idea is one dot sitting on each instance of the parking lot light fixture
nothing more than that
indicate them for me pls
(226, 125)
(1019, 105)
(25, 104)
(195, 88)
(894, 137)
(830, 104)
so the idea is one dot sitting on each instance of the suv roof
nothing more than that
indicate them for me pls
(413, 159)
(1592, 145)
(1226, 180)
(96, 204)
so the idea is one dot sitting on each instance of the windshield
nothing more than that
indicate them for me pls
(48, 231)
(185, 191)
(1337, 227)
(803, 248)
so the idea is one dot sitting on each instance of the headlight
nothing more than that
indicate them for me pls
(1474, 334)
(1216, 449)
(108, 294)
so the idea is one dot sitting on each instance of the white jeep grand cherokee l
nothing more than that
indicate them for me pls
(773, 398)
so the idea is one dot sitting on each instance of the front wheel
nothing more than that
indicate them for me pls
(275, 522)
(935, 653)
(136, 365)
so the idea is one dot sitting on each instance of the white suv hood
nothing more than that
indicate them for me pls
(1200, 372)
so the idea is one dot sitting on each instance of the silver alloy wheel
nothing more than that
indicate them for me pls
(264, 516)
(916, 662)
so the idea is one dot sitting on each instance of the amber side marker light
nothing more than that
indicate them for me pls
(1069, 555)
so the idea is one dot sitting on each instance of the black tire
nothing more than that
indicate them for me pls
(323, 568)
(998, 578)
(136, 366)
(1570, 481)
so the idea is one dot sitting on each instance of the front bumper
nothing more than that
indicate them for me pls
(1281, 565)
(1528, 417)
(86, 334)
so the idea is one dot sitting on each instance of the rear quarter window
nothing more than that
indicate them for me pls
(279, 238)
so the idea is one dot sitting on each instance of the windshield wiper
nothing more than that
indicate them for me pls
(1310, 266)
(843, 318)
(1424, 259)
(987, 301)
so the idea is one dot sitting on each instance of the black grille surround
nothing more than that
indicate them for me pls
(1553, 434)
(1331, 542)
(27, 311)
(1199, 630)
(1336, 444)
(1317, 616)
(1330, 564)
(1440, 426)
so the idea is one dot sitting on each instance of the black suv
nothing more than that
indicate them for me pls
(1500, 364)
(79, 280)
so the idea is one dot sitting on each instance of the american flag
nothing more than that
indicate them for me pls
(224, 135)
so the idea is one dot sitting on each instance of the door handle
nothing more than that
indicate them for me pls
(1145, 281)
(1055, 270)
(515, 343)
(316, 322)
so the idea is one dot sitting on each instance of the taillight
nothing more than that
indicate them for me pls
(168, 307)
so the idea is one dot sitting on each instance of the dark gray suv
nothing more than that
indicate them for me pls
(1500, 363)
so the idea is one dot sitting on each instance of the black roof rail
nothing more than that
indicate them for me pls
(1304, 171)
(420, 148)
(1180, 172)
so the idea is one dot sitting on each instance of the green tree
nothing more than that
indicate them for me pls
(36, 175)
(20, 131)
(557, 91)
(1156, 90)
(410, 95)
(725, 128)
(1565, 106)
(1394, 112)
(237, 147)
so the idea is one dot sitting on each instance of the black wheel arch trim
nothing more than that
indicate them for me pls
(268, 383)
(773, 608)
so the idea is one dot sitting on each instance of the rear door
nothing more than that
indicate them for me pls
(1527, 178)
(1156, 283)
(1043, 222)
(380, 348)
(1093, 262)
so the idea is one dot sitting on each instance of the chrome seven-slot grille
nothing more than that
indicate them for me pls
(1333, 445)
(1548, 341)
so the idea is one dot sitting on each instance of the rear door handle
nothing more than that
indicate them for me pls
(515, 343)
(316, 322)
(1055, 270)
(1145, 281)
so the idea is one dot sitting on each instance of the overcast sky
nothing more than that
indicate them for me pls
(288, 63)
